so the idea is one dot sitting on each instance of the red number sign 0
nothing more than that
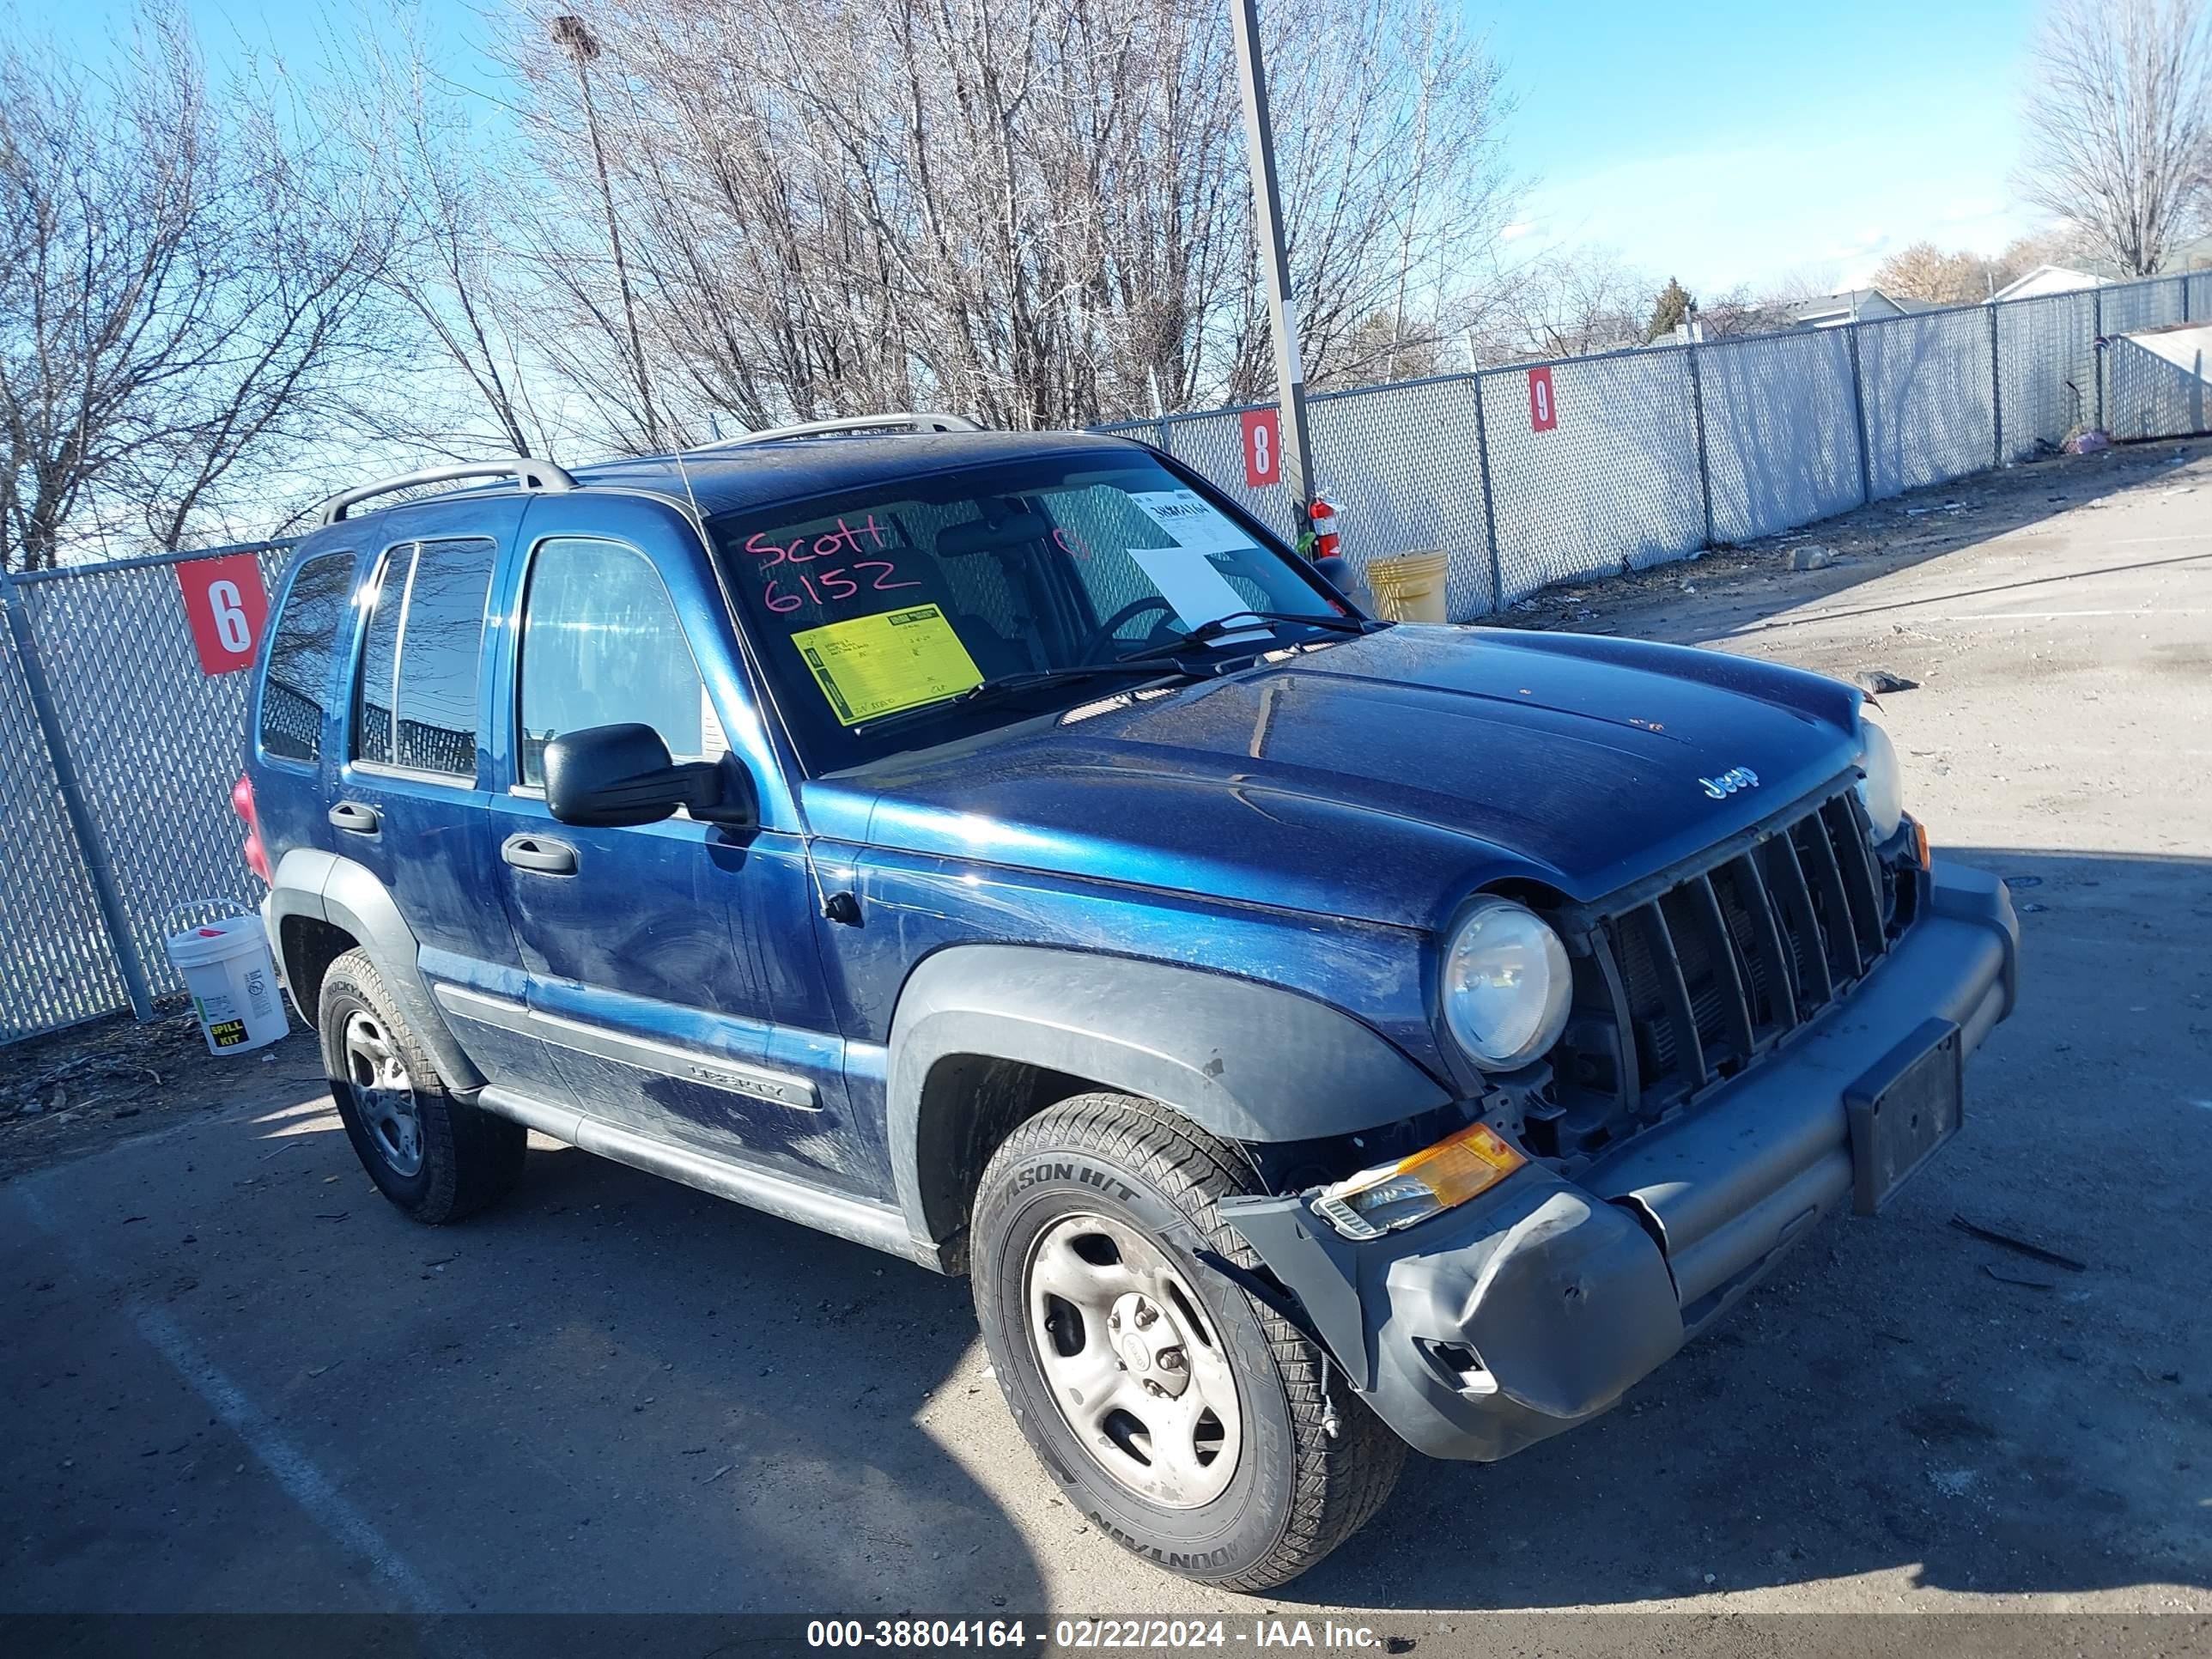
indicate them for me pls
(1543, 413)
(1263, 448)
(226, 605)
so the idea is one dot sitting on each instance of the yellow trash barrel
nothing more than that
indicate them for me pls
(1410, 588)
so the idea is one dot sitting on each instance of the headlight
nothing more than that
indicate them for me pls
(1506, 985)
(1881, 789)
(1393, 1195)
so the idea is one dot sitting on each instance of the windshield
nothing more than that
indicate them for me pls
(878, 613)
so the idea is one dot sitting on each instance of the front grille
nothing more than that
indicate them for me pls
(1684, 989)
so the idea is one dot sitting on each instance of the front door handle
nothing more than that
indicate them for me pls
(541, 853)
(352, 816)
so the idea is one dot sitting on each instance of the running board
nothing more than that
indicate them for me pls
(878, 1226)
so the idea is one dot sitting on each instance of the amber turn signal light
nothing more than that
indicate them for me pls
(1435, 1179)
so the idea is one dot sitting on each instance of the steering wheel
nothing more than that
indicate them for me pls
(1120, 619)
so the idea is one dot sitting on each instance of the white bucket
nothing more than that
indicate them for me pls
(227, 969)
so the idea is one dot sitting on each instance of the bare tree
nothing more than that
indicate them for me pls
(1035, 212)
(1739, 311)
(1811, 280)
(2060, 245)
(182, 291)
(2118, 124)
(452, 273)
(1572, 302)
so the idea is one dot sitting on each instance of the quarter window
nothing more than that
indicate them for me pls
(601, 645)
(421, 662)
(296, 689)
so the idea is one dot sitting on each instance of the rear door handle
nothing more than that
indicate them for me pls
(542, 854)
(351, 815)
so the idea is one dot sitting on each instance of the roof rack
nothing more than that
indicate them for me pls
(530, 474)
(902, 420)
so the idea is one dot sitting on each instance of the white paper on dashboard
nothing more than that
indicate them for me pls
(1195, 522)
(1199, 592)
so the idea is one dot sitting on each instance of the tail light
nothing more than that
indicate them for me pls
(241, 802)
(1322, 515)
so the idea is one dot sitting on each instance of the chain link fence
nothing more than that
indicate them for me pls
(117, 753)
(2046, 370)
(1649, 454)
(2157, 385)
(116, 758)
(1781, 431)
(55, 965)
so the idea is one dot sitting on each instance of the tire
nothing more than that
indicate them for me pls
(1074, 1200)
(436, 1158)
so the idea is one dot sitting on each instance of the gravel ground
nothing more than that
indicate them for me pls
(67, 1093)
(235, 1380)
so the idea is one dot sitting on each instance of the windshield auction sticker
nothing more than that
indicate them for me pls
(870, 666)
(1195, 522)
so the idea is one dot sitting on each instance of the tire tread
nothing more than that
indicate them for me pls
(475, 1158)
(1338, 1483)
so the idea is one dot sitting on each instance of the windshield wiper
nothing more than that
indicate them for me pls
(1239, 621)
(1001, 685)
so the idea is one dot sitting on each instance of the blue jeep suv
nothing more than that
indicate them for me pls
(1312, 1035)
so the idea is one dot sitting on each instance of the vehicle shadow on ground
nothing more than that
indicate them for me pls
(1738, 590)
(1905, 1395)
(747, 1404)
(609, 1394)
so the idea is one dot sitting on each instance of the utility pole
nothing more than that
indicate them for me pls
(1274, 260)
(570, 35)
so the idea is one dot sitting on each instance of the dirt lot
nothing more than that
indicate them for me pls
(235, 1380)
(66, 1094)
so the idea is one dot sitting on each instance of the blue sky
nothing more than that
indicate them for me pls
(1741, 141)
(1724, 144)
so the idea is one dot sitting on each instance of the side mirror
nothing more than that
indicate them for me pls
(613, 776)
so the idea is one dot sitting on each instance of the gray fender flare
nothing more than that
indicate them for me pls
(321, 885)
(1243, 1061)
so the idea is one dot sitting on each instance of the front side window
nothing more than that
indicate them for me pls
(295, 691)
(422, 659)
(601, 646)
(875, 610)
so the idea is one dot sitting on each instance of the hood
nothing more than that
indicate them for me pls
(1381, 778)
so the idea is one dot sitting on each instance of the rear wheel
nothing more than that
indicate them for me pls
(436, 1158)
(1189, 1423)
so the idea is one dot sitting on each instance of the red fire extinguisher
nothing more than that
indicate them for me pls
(1320, 540)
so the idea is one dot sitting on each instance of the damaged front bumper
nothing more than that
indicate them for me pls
(1538, 1305)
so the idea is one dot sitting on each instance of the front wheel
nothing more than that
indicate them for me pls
(1189, 1423)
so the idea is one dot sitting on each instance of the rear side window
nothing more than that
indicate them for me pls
(601, 645)
(416, 707)
(295, 691)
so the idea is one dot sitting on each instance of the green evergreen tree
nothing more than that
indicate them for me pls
(1669, 312)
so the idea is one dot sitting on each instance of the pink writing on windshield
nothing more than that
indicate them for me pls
(822, 586)
(844, 540)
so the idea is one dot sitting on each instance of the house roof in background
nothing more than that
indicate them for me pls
(2047, 279)
(1850, 303)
